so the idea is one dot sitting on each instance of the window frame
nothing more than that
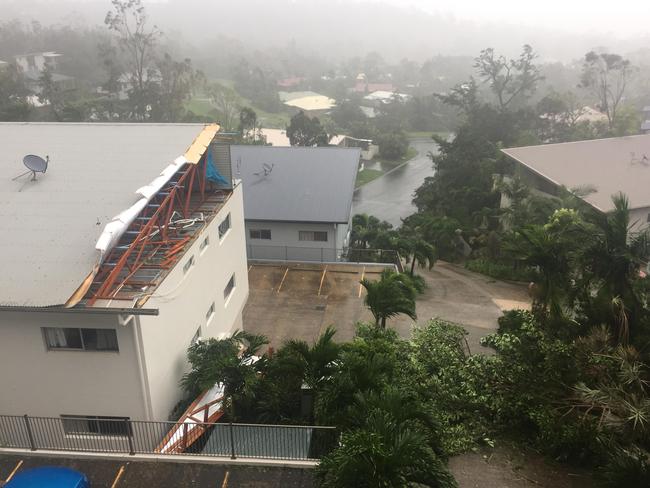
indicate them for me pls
(189, 264)
(205, 243)
(229, 288)
(302, 234)
(82, 340)
(259, 233)
(210, 313)
(223, 234)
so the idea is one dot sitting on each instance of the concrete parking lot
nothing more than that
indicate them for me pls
(298, 301)
(104, 473)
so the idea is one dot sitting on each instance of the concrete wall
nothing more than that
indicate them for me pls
(285, 244)
(39, 382)
(183, 299)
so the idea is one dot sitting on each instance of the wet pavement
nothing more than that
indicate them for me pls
(389, 196)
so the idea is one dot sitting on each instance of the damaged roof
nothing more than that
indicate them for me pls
(609, 166)
(304, 184)
(49, 227)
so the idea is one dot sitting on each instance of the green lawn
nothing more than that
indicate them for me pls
(367, 175)
(388, 164)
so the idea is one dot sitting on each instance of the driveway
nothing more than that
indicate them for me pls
(471, 299)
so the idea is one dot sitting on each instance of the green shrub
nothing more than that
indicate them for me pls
(627, 468)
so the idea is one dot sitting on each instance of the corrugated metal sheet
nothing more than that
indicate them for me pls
(306, 184)
(49, 227)
(608, 165)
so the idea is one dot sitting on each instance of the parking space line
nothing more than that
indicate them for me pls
(249, 268)
(225, 480)
(12, 474)
(363, 275)
(118, 476)
(286, 271)
(321, 280)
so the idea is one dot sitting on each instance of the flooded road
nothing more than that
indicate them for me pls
(389, 197)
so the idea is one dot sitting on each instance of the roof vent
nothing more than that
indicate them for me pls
(35, 164)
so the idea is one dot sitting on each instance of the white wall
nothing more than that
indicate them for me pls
(639, 218)
(39, 382)
(183, 300)
(285, 243)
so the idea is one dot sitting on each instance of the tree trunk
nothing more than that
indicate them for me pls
(413, 266)
(383, 322)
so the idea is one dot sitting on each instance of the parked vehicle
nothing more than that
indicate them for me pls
(48, 477)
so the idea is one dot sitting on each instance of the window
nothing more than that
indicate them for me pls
(188, 265)
(224, 227)
(90, 424)
(210, 313)
(312, 235)
(205, 243)
(196, 337)
(260, 234)
(80, 339)
(229, 287)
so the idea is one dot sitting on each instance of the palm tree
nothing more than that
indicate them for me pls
(367, 231)
(412, 244)
(232, 361)
(612, 261)
(319, 360)
(391, 295)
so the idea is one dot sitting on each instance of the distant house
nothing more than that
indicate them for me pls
(32, 66)
(291, 82)
(368, 149)
(645, 124)
(297, 200)
(278, 138)
(362, 85)
(382, 97)
(603, 166)
(312, 105)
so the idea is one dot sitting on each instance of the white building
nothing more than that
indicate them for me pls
(114, 261)
(603, 166)
(297, 200)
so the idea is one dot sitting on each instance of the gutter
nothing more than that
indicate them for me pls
(89, 310)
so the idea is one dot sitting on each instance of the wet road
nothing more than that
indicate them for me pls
(389, 197)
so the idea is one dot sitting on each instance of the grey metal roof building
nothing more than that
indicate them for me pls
(296, 184)
(618, 164)
(49, 227)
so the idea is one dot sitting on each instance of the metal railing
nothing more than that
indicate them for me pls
(125, 436)
(321, 254)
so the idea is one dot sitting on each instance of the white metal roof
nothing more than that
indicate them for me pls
(49, 227)
(618, 164)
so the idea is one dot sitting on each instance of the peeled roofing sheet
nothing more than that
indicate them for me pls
(617, 164)
(49, 227)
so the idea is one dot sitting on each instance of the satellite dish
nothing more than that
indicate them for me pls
(35, 164)
(266, 170)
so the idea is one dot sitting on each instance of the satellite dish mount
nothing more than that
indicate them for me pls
(35, 164)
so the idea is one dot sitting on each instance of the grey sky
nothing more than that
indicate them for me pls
(624, 18)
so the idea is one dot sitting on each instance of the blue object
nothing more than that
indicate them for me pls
(49, 477)
(211, 172)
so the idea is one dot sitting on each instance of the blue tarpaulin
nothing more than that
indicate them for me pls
(211, 172)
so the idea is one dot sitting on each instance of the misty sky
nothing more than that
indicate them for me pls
(623, 18)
